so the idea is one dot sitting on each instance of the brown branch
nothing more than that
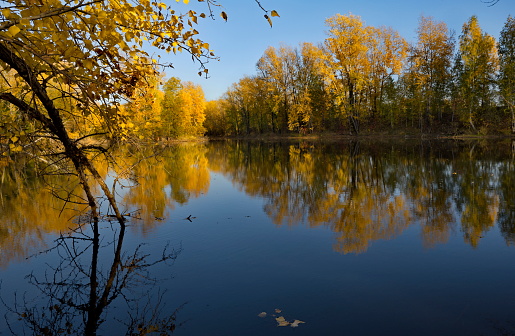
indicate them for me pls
(29, 110)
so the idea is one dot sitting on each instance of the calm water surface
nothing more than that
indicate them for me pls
(352, 238)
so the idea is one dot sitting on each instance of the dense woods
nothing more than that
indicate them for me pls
(364, 79)
(359, 80)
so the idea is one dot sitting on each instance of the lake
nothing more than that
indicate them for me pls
(368, 237)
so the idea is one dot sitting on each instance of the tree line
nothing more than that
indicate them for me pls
(364, 79)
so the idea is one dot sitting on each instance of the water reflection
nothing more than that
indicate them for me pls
(164, 179)
(367, 191)
(149, 181)
(363, 191)
(81, 289)
(31, 206)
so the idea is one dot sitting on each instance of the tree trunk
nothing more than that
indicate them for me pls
(54, 125)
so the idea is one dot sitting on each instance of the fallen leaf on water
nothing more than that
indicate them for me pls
(296, 323)
(281, 322)
(278, 310)
(262, 314)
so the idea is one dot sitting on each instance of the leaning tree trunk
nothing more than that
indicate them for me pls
(54, 125)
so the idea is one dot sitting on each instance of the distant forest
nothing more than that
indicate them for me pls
(363, 79)
(360, 80)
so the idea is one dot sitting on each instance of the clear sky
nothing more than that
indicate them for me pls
(241, 40)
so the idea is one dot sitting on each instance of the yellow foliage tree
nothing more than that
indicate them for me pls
(89, 53)
(143, 112)
(192, 110)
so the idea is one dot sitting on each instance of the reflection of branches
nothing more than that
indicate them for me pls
(78, 290)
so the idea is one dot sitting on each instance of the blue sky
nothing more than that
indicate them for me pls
(241, 40)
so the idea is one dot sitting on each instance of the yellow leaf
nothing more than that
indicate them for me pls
(268, 19)
(224, 15)
(186, 1)
(281, 322)
(6, 12)
(274, 13)
(13, 30)
(14, 139)
(88, 64)
(296, 323)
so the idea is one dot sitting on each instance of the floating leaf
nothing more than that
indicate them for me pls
(262, 314)
(281, 322)
(277, 310)
(296, 323)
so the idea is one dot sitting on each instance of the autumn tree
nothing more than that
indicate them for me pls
(216, 119)
(360, 60)
(477, 66)
(170, 105)
(89, 53)
(346, 49)
(192, 110)
(143, 112)
(386, 55)
(506, 79)
(430, 68)
(182, 109)
(240, 99)
(276, 68)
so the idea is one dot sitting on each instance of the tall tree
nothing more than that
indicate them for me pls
(143, 112)
(507, 67)
(276, 68)
(386, 55)
(170, 106)
(192, 109)
(431, 60)
(346, 47)
(478, 64)
(360, 61)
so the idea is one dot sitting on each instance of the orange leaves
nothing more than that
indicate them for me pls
(272, 14)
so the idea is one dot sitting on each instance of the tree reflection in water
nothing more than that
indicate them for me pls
(83, 290)
(366, 191)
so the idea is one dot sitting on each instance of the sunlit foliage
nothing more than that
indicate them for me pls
(364, 79)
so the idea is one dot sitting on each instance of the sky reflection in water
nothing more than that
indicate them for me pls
(351, 238)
